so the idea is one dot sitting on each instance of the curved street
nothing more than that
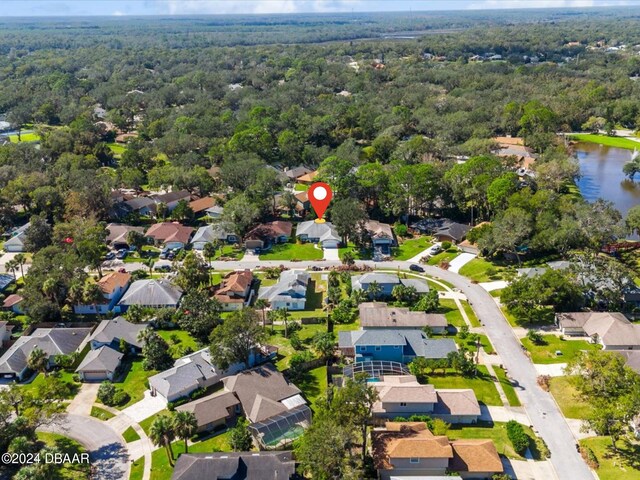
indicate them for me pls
(541, 409)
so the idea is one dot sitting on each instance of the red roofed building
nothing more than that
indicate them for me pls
(169, 233)
(234, 290)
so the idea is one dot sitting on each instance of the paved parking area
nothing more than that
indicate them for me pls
(146, 407)
(331, 254)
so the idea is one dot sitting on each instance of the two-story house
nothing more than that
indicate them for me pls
(380, 315)
(290, 292)
(113, 286)
(234, 291)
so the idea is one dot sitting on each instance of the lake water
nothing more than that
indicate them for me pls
(602, 177)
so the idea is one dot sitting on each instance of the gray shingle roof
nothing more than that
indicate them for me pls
(104, 359)
(185, 374)
(379, 315)
(236, 465)
(292, 284)
(414, 342)
(117, 329)
(5, 281)
(210, 408)
(313, 229)
(152, 292)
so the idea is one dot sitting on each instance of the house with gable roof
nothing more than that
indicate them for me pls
(113, 286)
(290, 292)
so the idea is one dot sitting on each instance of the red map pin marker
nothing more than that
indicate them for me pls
(319, 196)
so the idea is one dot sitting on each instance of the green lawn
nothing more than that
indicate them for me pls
(25, 137)
(471, 345)
(451, 312)
(565, 394)
(66, 377)
(301, 187)
(313, 385)
(117, 148)
(509, 391)
(146, 423)
(447, 255)
(606, 140)
(498, 433)
(480, 270)
(137, 469)
(293, 251)
(130, 435)
(134, 382)
(470, 313)
(483, 385)
(160, 468)
(229, 251)
(547, 353)
(183, 341)
(68, 471)
(357, 253)
(623, 465)
(411, 247)
(101, 413)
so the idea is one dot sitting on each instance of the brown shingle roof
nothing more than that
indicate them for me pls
(475, 456)
(211, 408)
(169, 232)
(271, 230)
(375, 314)
(234, 283)
(12, 300)
(113, 280)
(202, 204)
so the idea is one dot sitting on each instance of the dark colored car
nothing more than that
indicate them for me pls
(416, 268)
(110, 256)
(122, 254)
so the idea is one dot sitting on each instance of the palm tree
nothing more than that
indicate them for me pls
(162, 434)
(284, 316)
(262, 304)
(12, 266)
(38, 360)
(50, 289)
(93, 295)
(144, 335)
(209, 251)
(185, 425)
(374, 290)
(21, 259)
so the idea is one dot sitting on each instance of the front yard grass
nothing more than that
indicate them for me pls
(68, 471)
(566, 396)
(134, 381)
(411, 247)
(547, 353)
(137, 469)
(293, 251)
(508, 389)
(65, 377)
(498, 433)
(160, 468)
(454, 315)
(606, 140)
(481, 270)
(447, 256)
(130, 435)
(101, 413)
(623, 465)
(146, 423)
(482, 385)
(228, 251)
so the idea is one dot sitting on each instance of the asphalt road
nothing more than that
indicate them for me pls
(543, 412)
(107, 450)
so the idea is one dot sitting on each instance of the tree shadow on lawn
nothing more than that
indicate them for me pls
(628, 454)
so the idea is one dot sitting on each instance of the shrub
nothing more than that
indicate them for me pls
(463, 333)
(544, 381)
(517, 436)
(444, 264)
(446, 245)
(535, 337)
(401, 230)
(106, 391)
(120, 397)
(296, 343)
(297, 364)
(589, 457)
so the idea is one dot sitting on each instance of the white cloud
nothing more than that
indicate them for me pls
(186, 7)
(504, 4)
(117, 13)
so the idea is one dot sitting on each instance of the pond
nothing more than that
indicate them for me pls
(602, 177)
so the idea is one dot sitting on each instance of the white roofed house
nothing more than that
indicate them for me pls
(100, 364)
(210, 234)
(152, 293)
(323, 233)
(290, 292)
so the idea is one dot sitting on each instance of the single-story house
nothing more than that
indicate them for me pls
(274, 406)
(99, 365)
(111, 332)
(267, 234)
(380, 315)
(612, 330)
(113, 286)
(452, 232)
(531, 272)
(213, 411)
(381, 235)
(247, 465)
(303, 204)
(141, 205)
(632, 359)
(215, 212)
(234, 291)
(293, 174)
(290, 292)
(13, 303)
(5, 281)
(202, 204)
(314, 232)
(54, 341)
(308, 178)
(171, 234)
(118, 232)
(171, 199)
(386, 282)
(403, 396)
(15, 243)
(409, 450)
(211, 233)
(160, 293)
(391, 344)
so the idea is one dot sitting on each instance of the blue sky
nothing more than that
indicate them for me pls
(191, 7)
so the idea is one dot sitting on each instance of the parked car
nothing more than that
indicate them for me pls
(435, 249)
(416, 268)
(110, 256)
(122, 254)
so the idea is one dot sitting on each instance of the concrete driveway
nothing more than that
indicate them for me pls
(84, 400)
(107, 450)
(331, 254)
(460, 261)
(146, 407)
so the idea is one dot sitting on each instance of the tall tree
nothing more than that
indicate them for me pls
(184, 425)
(162, 434)
(235, 339)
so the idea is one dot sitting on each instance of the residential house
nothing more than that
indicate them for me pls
(99, 365)
(612, 330)
(314, 232)
(293, 174)
(389, 344)
(379, 315)
(201, 205)
(234, 292)
(410, 450)
(514, 148)
(451, 232)
(113, 286)
(303, 204)
(141, 205)
(215, 212)
(5, 281)
(210, 234)
(15, 243)
(13, 303)
(111, 332)
(531, 272)
(386, 282)
(274, 406)
(117, 237)
(236, 465)
(171, 199)
(169, 234)
(5, 332)
(290, 292)
(267, 234)
(308, 178)
(381, 235)
(213, 411)
(151, 293)
(632, 359)
(54, 341)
